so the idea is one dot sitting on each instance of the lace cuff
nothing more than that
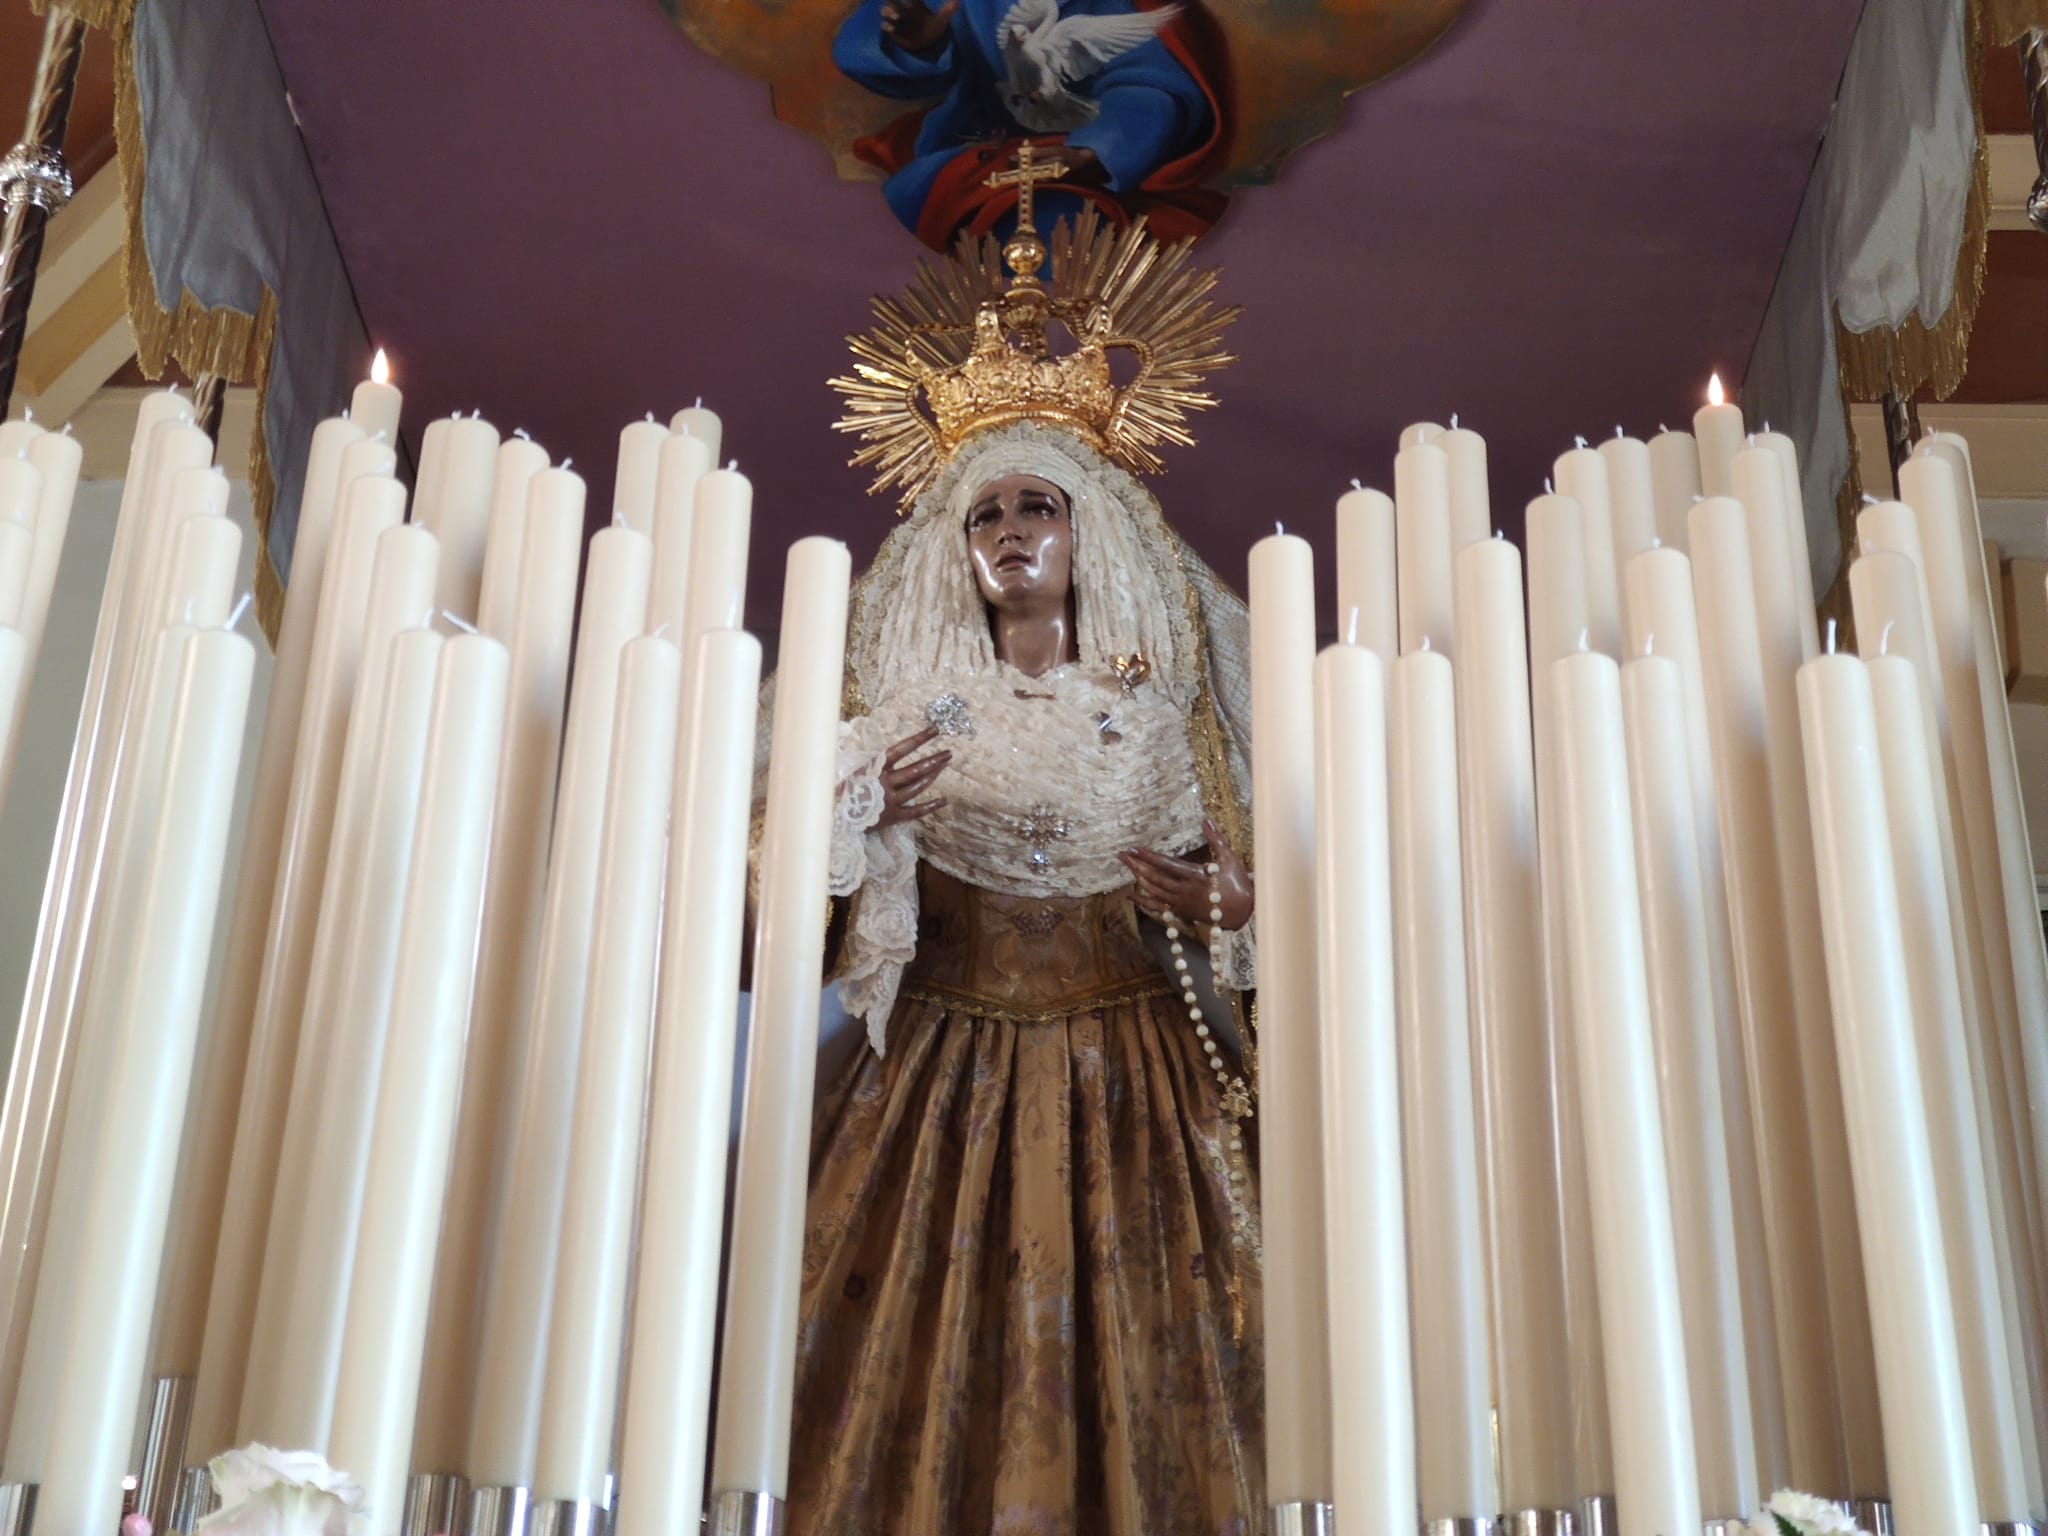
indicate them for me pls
(881, 864)
(854, 813)
(1237, 956)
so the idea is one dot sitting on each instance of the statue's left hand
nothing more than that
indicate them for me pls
(1182, 886)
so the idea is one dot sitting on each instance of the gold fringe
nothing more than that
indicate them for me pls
(99, 14)
(226, 343)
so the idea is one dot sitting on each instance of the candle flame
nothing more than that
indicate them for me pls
(1715, 394)
(1884, 641)
(1831, 637)
(380, 368)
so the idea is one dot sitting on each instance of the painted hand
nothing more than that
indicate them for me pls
(1181, 886)
(903, 781)
(913, 25)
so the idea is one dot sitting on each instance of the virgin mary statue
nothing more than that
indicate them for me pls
(1031, 1275)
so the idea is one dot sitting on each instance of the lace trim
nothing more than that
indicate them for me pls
(1236, 952)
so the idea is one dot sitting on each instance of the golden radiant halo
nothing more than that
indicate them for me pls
(968, 346)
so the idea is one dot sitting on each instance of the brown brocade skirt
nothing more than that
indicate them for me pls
(1029, 1305)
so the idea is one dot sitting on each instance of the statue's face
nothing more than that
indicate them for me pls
(1020, 537)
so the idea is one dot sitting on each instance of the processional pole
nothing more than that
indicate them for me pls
(34, 184)
(2033, 47)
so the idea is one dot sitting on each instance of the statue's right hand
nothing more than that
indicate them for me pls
(903, 781)
(914, 26)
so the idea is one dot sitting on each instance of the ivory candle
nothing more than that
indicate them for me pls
(638, 466)
(16, 435)
(1732, 672)
(461, 513)
(1657, 604)
(1688, 1055)
(1420, 432)
(1913, 812)
(1504, 954)
(21, 490)
(1792, 524)
(758, 1364)
(345, 1102)
(376, 403)
(370, 505)
(1471, 501)
(57, 455)
(93, 1419)
(1674, 484)
(1759, 482)
(1299, 1451)
(1581, 474)
(276, 1404)
(505, 1422)
(705, 426)
(668, 1384)
(1631, 496)
(1927, 1450)
(515, 887)
(720, 529)
(1717, 427)
(1366, 561)
(17, 548)
(426, 481)
(584, 1332)
(1434, 1110)
(519, 460)
(1422, 537)
(1558, 619)
(682, 462)
(1656, 1476)
(385, 1337)
(1372, 1381)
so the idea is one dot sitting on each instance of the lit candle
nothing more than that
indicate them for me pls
(1913, 811)
(683, 461)
(1732, 672)
(1504, 917)
(1299, 1454)
(515, 889)
(1759, 483)
(589, 1307)
(1471, 501)
(720, 530)
(638, 466)
(376, 403)
(758, 1362)
(1927, 1450)
(1657, 603)
(1656, 1477)
(1581, 474)
(703, 425)
(505, 1422)
(459, 515)
(1365, 572)
(93, 1421)
(519, 460)
(277, 1405)
(1717, 427)
(1631, 496)
(1434, 1111)
(385, 1338)
(345, 1102)
(1558, 623)
(1422, 538)
(1373, 1390)
(1674, 483)
(668, 1387)
(1688, 1055)
(370, 505)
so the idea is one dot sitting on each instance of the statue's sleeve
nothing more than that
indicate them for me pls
(865, 56)
(878, 867)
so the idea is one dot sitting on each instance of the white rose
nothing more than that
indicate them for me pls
(268, 1492)
(1806, 1515)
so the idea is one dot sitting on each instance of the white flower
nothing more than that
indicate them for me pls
(1804, 1515)
(267, 1492)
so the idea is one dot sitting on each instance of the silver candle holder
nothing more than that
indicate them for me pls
(747, 1513)
(1540, 1522)
(569, 1517)
(1875, 1516)
(1459, 1525)
(496, 1510)
(17, 1508)
(163, 1449)
(1301, 1517)
(1598, 1516)
(434, 1503)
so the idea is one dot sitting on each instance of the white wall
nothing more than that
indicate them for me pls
(28, 820)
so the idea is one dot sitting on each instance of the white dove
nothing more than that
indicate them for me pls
(1047, 56)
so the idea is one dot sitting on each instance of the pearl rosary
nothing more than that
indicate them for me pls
(1189, 996)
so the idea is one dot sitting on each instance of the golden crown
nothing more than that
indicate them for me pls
(971, 344)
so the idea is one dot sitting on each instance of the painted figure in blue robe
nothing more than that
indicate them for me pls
(1127, 96)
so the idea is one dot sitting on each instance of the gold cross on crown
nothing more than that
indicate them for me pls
(1025, 252)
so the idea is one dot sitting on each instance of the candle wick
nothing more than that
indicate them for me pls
(1767, 424)
(1697, 499)
(618, 517)
(1454, 421)
(28, 413)
(1548, 488)
(732, 466)
(1656, 542)
(1277, 529)
(567, 462)
(1585, 639)
(1650, 643)
(1662, 428)
(456, 414)
(1498, 534)
(661, 629)
(699, 405)
(242, 606)
(1618, 433)
(1357, 484)
(1351, 627)
(1578, 442)
(650, 416)
(67, 429)
(1831, 637)
(344, 413)
(1425, 644)
(190, 604)
(457, 620)
(1884, 641)
(1869, 500)
(1751, 439)
(522, 434)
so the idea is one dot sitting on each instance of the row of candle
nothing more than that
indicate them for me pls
(1661, 948)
